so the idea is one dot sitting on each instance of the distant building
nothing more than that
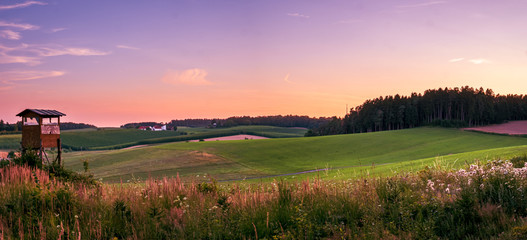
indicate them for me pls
(160, 128)
(154, 128)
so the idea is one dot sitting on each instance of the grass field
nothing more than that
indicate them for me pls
(402, 150)
(264, 131)
(10, 141)
(108, 138)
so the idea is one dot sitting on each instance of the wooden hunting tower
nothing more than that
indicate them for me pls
(40, 130)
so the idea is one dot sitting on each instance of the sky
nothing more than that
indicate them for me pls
(112, 62)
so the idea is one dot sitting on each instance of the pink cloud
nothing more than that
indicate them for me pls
(10, 76)
(21, 26)
(193, 77)
(11, 35)
(22, 5)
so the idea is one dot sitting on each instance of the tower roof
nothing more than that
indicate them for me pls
(42, 113)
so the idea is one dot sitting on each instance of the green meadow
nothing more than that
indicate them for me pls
(10, 141)
(116, 138)
(381, 153)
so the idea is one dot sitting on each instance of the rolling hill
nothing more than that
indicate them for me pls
(408, 149)
(116, 138)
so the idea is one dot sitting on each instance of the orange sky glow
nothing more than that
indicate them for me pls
(142, 61)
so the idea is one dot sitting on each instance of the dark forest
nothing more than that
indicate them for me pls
(446, 107)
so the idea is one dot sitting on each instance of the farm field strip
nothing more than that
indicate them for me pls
(115, 138)
(233, 137)
(511, 128)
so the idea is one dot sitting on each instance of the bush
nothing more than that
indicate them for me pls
(519, 161)
(31, 158)
(66, 175)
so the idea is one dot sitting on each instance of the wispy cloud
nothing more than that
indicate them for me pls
(456, 60)
(4, 88)
(127, 47)
(9, 34)
(476, 61)
(423, 4)
(58, 29)
(12, 76)
(479, 61)
(5, 58)
(9, 79)
(193, 77)
(286, 78)
(33, 54)
(50, 52)
(297, 15)
(21, 26)
(21, 5)
(349, 21)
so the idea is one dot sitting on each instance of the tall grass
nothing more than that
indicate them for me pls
(480, 202)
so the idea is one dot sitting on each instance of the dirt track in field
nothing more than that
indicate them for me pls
(233, 137)
(511, 128)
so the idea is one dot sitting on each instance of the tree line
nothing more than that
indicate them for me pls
(10, 128)
(6, 127)
(72, 125)
(277, 121)
(447, 107)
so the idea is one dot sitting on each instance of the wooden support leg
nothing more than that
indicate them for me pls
(59, 152)
(40, 151)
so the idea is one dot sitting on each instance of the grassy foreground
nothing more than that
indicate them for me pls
(350, 155)
(480, 202)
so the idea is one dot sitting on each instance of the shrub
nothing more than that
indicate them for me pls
(66, 175)
(31, 158)
(519, 161)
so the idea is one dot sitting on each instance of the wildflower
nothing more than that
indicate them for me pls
(430, 185)
(184, 198)
(447, 190)
(76, 216)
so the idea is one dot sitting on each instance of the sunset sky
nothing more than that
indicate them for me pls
(112, 62)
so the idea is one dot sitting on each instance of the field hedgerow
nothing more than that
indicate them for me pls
(485, 201)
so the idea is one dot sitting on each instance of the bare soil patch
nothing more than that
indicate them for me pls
(233, 137)
(136, 146)
(511, 128)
